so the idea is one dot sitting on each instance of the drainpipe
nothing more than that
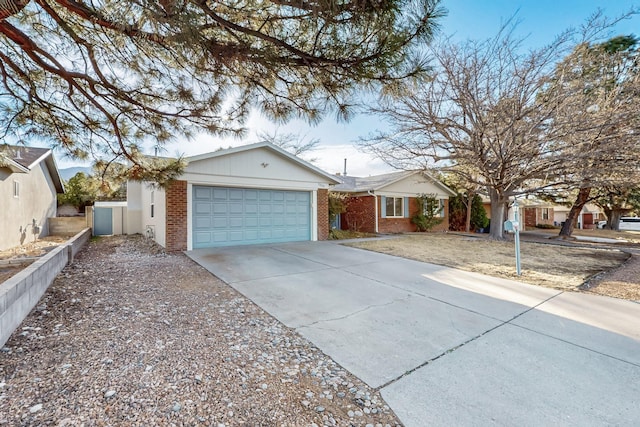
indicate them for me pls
(375, 204)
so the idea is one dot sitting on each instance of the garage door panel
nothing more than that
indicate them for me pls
(265, 196)
(236, 208)
(202, 193)
(251, 235)
(219, 236)
(220, 194)
(203, 222)
(251, 221)
(236, 222)
(203, 208)
(201, 238)
(236, 194)
(234, 216)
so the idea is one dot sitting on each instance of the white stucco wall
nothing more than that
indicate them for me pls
(134, 207)
(157, 222)
(36, 200)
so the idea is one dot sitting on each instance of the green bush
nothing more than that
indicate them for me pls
(427, 215)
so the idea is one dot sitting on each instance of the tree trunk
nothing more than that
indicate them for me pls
(572, 217)
(470, 196)
(498, 203)
(613, 221)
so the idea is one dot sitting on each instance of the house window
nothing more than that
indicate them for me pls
(439, 213)
(394, 207)
(153, 205)
(16, 189)
(545, 213)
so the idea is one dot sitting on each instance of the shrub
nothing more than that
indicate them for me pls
(427, 215)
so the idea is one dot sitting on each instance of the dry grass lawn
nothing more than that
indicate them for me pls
(553, 266)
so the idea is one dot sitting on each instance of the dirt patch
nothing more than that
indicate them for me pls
(553, 266)
(38, 248)
(129, 335)
(34, 249)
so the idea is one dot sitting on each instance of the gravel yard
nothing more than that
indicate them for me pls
(129, 335)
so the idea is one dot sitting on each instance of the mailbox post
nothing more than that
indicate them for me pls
(516, 229)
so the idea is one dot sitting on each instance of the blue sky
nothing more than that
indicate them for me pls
(540, 21)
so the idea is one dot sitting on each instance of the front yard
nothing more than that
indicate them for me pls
(545, 264)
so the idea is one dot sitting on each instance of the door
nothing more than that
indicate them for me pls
(243, 216)
(102, 221)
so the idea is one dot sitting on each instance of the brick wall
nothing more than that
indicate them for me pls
(176, 201)
(323, 214)
(360, 214)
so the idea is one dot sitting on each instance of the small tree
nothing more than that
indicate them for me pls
(336, 205)
(458, 213)
(80, 191)
(479, 217)
(428, 214)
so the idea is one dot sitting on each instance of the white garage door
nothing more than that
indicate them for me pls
(244, 216)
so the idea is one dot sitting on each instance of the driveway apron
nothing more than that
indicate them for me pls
(448, 347)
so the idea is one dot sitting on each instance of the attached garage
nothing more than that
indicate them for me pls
(244, 216)
(253, 194)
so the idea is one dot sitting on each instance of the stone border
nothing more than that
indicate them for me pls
(20, 293)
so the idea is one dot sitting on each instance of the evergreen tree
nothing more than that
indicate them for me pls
(98, 77)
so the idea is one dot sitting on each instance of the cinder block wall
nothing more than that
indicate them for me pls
(67, 226)
(21, 293)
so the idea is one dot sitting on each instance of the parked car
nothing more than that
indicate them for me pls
(626, 223)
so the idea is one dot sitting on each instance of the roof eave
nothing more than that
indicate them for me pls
(50, 162)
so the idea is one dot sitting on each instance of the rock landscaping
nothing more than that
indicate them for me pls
(130, 335)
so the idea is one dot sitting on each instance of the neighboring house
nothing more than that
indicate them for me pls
(251, 194)
(588, 218)
(29, 182)
(534, 212)
(386, 203)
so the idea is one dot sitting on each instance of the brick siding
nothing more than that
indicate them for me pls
(360, 216)
(323, 214)
(176, 200)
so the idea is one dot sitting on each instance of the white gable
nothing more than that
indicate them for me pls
(413, 185)
(257, 167)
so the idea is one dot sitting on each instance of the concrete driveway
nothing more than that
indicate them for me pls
(448, 347)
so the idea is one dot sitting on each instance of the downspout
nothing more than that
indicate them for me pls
(375, 204)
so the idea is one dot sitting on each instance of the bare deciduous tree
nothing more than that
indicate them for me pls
(597, 119)
(480, 117)
(491, 116)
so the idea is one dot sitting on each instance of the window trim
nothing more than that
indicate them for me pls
(16, 189)
(393, 199)
(545, 214)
